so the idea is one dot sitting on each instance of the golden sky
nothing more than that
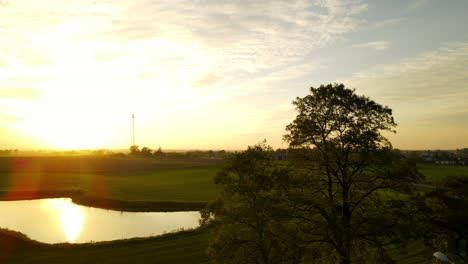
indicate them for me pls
(222, 74)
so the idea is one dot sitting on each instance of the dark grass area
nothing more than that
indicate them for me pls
(95, 164)
(182, 247)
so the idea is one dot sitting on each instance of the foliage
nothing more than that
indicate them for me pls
(146, 152)
(7, 152)
(158, 153)
(134, 150)
(251, 225)
(444, 217)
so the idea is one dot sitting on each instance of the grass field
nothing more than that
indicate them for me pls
(195, 185)
(434, 172)
(141, 181)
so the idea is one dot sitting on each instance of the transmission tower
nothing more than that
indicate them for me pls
(133, 129)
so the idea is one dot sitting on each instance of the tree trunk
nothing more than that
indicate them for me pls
(346, 256)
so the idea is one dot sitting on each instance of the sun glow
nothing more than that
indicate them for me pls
(71, 217)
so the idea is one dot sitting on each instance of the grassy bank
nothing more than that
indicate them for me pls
(182, 247)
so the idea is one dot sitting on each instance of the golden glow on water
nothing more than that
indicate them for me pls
(71, 217)
(59, 220)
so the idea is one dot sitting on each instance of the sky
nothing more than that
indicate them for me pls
(216, 74)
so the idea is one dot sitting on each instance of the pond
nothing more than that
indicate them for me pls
(60, 220)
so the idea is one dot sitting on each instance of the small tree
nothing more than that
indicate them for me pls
(146, 152)
(251, 225)
(134, 150)
(342, 161)
(158, 152)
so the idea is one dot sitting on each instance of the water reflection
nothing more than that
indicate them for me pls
(71, 216)
(60, 220)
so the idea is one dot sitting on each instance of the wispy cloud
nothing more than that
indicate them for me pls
(6, 120)
(440, 74)
(376, 45)
(152, 55)
(428, 95)
(19, 93)
(414, 4)
(173, 43)
(246, 34)
(385, 23)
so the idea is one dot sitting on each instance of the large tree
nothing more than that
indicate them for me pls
(342, 162)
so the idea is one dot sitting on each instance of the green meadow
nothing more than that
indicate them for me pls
(180, 185)
(121, 181)
(434, 172)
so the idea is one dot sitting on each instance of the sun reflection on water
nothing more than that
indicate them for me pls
(70, 215)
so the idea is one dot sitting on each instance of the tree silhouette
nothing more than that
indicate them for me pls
(342, 161)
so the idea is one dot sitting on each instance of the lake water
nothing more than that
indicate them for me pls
(60, 220)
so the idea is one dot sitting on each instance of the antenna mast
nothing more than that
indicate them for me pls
(133, 129)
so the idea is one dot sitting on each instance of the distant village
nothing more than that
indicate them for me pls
(458, 157)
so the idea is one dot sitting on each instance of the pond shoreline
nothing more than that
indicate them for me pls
(79, 197)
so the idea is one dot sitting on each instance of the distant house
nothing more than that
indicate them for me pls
(452, 161)
(427, 156)
(280, 154)
(463, 162)
(446, 161)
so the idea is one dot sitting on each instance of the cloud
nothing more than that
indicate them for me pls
(223, 38)
(19, 93)
(415, 4)
(154, 55)
(7, 120)
(439, 75)
(207, 80)
(376, 45)
(428, 95)
(385, 23)
(247, 35)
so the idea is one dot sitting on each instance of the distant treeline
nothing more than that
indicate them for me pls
(7, 152)
(135, 151)
(46, 152)
(149, 153)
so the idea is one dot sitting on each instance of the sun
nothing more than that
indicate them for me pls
(62, 122)
(65, 131)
